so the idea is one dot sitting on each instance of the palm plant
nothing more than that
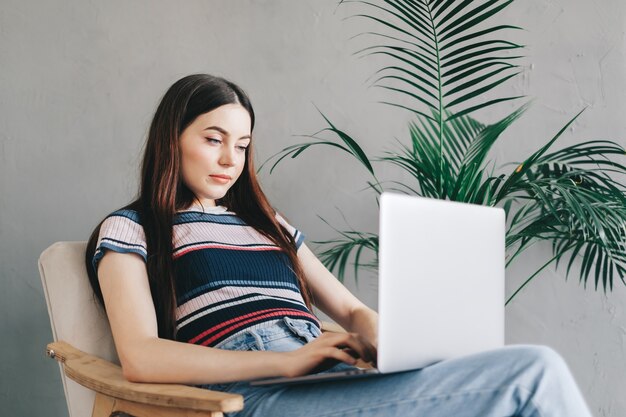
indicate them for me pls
(445, 56)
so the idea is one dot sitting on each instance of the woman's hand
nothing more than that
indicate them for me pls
(326, 351)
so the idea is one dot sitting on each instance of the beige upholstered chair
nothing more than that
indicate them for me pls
(92, 379)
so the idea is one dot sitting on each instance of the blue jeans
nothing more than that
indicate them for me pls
(517, 380)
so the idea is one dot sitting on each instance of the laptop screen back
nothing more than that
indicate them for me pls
(441, 280)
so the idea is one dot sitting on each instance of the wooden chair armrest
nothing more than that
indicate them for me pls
(329, 326)
(107, 378)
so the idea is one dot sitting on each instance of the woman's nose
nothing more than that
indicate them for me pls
(227, 157)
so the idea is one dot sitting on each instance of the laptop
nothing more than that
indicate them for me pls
(440, 285)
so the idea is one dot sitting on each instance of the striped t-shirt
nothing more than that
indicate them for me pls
(228, 276)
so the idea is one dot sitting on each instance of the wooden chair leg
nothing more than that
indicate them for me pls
(104, 406)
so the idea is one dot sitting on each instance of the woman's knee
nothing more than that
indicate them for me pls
(541, 360)
(546, 377)
(538, 354)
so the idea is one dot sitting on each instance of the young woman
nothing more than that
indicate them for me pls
(205, 283)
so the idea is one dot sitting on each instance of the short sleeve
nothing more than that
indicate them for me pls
(298, 237)
(121, 232)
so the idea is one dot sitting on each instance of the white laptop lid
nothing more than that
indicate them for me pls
(441, 280)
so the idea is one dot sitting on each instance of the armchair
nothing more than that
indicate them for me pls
(90, 372)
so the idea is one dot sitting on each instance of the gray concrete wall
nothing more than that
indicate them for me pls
(79, 81)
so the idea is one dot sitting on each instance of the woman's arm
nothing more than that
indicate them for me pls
(147, 358)
(336, 301)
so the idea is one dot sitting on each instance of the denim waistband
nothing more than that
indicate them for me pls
(262, 337)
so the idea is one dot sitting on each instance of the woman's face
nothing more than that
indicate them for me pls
(213, 151)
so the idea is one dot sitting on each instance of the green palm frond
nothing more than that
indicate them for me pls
(470, 184)
(341, 141)
(350, 245)
(348, 249)
(445, 56)
(582, 211)
(462, 173)
(510, 186)
(593, 156)
(420, 160)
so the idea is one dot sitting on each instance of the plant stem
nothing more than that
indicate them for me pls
(440, 91)
(520, 250)
(531, 277)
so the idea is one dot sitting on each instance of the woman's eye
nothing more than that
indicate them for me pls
(213, 140)
(242, 148)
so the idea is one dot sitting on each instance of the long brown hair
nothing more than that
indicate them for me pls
(162, 191)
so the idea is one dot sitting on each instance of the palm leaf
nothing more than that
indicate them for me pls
(346, 144)
(511, 183)
(580, 212)
(350, 244)
(433, 39)
(445, 56)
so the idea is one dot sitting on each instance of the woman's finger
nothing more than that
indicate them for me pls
(340, 355)
(351, 344)
(357, 345)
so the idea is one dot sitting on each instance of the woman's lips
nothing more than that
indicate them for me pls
(221, 179)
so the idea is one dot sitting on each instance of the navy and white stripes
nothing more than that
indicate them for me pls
(229, 277)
